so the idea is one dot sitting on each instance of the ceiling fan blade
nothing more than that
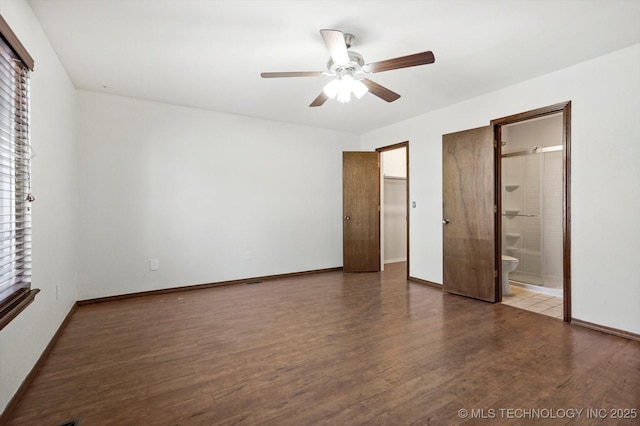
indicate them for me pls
(380, 91)
(321, 99)
(334, 40)
(422, 58)
(292, 74)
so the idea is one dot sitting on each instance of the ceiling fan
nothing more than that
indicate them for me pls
(351, 71)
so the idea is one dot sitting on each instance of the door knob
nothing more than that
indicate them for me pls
(347, 218)
(445, 221)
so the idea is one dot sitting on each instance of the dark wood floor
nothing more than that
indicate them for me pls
(332, 348)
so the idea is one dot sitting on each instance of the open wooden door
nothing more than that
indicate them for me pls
(469, 214)
(361, 211)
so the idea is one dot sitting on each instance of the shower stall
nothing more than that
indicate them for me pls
(532, 170)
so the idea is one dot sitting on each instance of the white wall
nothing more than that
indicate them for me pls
(541, 132)
(394, 162)
(197, 190)
(605, 158)
(54, 251)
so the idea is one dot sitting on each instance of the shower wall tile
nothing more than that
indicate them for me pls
(552, 202)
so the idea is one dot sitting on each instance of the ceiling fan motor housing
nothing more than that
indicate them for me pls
(348, 39)
(356, 62)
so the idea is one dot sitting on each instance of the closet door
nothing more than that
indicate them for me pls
(361, 211)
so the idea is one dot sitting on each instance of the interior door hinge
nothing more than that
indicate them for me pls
(495, 273)
(495, 144)
(495, 208)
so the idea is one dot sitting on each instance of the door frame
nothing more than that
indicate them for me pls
(380, 150)
(565, 109)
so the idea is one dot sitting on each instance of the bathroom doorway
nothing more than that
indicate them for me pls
(533, 204)
(394, 195)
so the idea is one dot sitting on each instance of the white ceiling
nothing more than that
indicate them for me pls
(209, 53)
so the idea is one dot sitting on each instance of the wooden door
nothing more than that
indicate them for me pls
(361, 211)
(468, 214)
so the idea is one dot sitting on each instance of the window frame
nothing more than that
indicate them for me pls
(17, 299)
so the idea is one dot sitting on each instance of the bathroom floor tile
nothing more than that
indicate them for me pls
(529, 300)
(556, 310)
(545, 305)
(542, 297)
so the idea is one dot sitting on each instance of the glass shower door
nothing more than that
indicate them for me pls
(532, 215)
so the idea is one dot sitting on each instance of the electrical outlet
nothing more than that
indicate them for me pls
(57, 290)
(154, 264)
(248, 255)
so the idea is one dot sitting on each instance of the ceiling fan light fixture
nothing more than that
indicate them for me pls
(359, 89)
(331, 89)
(342, 87)
(344, 94)
(346, 87)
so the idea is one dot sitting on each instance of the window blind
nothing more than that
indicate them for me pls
(15, 165)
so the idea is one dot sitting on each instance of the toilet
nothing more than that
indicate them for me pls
(508, 264)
